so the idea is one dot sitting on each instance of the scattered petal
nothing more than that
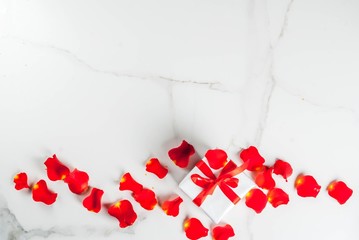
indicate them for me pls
(264, 179)
(283, 168)
(339, 191)
(77, 181)
(217, 158)
(181, 154)
(171, 207)
(194, 229)
(255, 160)
(128, 183)
(222, 232)
(40, 193)
(277, 196)
(56, 170)
(123, 211)
(146, 198)
(256, 200)
(307, 186)
(20, 181)
(93, 201)
(154, 166)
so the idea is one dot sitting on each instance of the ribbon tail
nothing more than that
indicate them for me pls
(230, 194)
(203, 195)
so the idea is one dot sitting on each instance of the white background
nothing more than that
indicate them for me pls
(107, 84)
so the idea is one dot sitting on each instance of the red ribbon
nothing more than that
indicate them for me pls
(225, 181)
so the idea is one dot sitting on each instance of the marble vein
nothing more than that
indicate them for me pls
(272, 82)
(216, 86)
(11, 229)
(270, 86)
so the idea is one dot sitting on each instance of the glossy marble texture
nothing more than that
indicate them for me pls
(107, 84)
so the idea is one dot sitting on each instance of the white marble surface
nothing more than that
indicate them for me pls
(106, 84)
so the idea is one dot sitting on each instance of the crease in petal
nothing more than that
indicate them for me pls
(222, 232)
(146, 198)
(180, 155)
(256, 200)
(194, 229)
(20, 181)
(283, 169)
(171, 206)
(217, 158)
(55, 169)
(277, 197)
(93, 201)
(154, 166)
(264, 179)
(77, 181)
(127, 182)
(123, 212)
(339, 191)
(307, 186)
(254, 159)
(41, 193)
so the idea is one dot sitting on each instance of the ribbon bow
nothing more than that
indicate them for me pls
(225, 181)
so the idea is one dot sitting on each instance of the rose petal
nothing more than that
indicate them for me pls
(40, 193)
(181, 154)
(222, 232)
(93, 201)
(20, 181)
(217, 158)
(146, 198)
(77, 181)
(154, 166)
(128, 183)
(255, 160)
(256, 200)
(265, 180)
(282, 168)
(56, 170)
(339, 191)
(307, 186)
(194, 229)
(171, 207)
(277, 196)
(123, 211)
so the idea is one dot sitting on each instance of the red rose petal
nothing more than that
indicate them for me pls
(217, 158)
(40, 193)
(20, 181)
(277, 196)
(77, 181)
(123, 211)
(194, 229)
(93, 201)
(256, 200)
(283, 168)
(181, 154)
(56, 170)
(265, 180)
(146, 198)
(222, 232)
(339, 191)
(154, 166)
(307, 186)
(171, 207)
(255, 160)
(128, 183)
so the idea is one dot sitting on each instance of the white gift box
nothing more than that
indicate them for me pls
(217, 204)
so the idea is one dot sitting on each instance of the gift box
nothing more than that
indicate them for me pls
(216, 191)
